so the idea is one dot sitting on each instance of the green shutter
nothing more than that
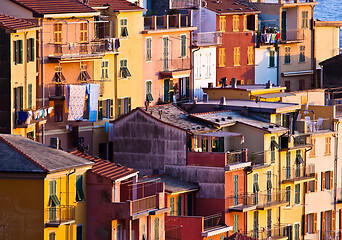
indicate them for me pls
(156, 228)
(21, 98)
(16, 100)
(187, 86)
(172, 206)
(20, 51)
(79, 188)
(29, 100)
(179, 205)
(166, 89)
(16, 51)
(28, 50)
(32, 50)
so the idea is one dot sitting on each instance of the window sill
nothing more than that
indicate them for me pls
(272, 67)
(237, 65)
(148, 60)
(301, 62)
(287, 63)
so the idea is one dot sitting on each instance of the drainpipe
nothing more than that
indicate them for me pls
(313, 50)
(335, 172)
(25, 64)
(43, 77)
(193, 63)
(67, 196)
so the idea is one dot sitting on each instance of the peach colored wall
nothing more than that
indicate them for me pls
(152, 68)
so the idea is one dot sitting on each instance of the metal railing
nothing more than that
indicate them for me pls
(270, 198)
(167, 21)
(298, 172)
(77, 49)
(285, 1)
(175, 64)
(276, 231)
(177, 4)
(237, 156)
(241, 201)
(144, 204)
(213, 221)
(207, 38)
(292, 35)
(60, 214)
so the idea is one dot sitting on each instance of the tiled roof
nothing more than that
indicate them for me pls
(13, 23)
(117, 5)
(42, 7)
(175, 116)
(105, 168)
(230, 6)
(25, 155)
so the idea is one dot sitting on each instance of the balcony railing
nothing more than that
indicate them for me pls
(76, 50)
(144, 204)
(241, 202)
(167, 21)
(59, 215)
(213, 221)
(292, 35)
(176, 64)
(298, 173)
(30, 116)
(207, 38)
(285, 1)
(177, 4)
(274, 232)
(271, 198)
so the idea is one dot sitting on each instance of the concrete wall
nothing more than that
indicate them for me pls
(204, 70)
(146, 144)
(327, 43)
(204, 20)
(263, 71)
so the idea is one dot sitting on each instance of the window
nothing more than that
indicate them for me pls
(327, 146)
(124, 30)
(204, 145)
(18, 98)
(148, 49)
(172, 206)
(296, 231)
(104, 70)
(236, 223)
(29, 96)
(52, 236)
(208, 63)
(222, 23)
(165, 53)
(53, 200)
(149, 97)
(288, 86)
(189, 207)
(237, 56)
(124, 106)
(105, 109)
(236, 23)
(18, 51)
(59, 111)
(183, 45)
(250, 55)
(288, 195)
(288, 165)
(83, 32)
(124, 72)
(256, 224)
(311, 223)
(79, 232)
(287, 55)
(272, 59)
(256, 188)
(30, 50)
(79, 188)
(305, 19)
(57, 28)
(222, 237)
(222, 57)
(269, 223)
(269, 185)
(273, 149)
(301, 54)
(179, 205)
(297, 194)
(156, 228)
(313, 148)
(236, 190)
(327, 180)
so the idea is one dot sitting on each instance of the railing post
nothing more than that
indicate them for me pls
(166, 21)
(154, 22)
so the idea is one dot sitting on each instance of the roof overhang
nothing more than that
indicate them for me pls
(216, 231)
(221, 134)
(298, 73)
(70, 15)
(328, 23)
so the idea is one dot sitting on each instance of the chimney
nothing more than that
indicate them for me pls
(54, 142)
(233, 83)
(223, 101)
(205, 97)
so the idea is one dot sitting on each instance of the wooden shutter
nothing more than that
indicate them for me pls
(305, 223)
(21, 97)
(314, 223)
(322, 224)
(179, 205)
(172, 206)
(15, 52)
(32, 54)
(306, 185)
(316, 182)
(28, 50)
(333, 221)
(322, 181)
(331, 180)
(29, 98)
(20, 51)
(156, 228)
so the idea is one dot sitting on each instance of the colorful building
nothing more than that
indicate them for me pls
(51, 203)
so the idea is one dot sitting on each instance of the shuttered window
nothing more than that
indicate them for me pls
(222, 23)
(288, 195)
(222, 57)
(30, 50)
(52, 236)
(236, 23)
(148, 49)
(79, 188)
(236, 222)
(183, 45)
(179, 205)
(297, 194)
(29, 97)
(250, 55)
(57, 33)
(83, 32)
(124, 29)
(237, 56)
(172, 206)
(327, 145)
(272, 59)
(18, 51)
(236, 190)
(156, 228)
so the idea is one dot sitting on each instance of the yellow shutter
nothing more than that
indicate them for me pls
(333, 222)
(315, 222)
(322, 224)
(222, 23)
(245, 22)
(331, 180)
(222, 57)
(323, 181)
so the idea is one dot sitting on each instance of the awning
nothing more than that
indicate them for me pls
(298, 73)
(221, 134)
(175, 74)
(275, 95)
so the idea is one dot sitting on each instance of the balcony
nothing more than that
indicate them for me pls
(184, 4)
(300, 173)
(170, 67)
(207, 39)
(275, 232)
(28, 117)
(56, 91)
(144, 204)
(292, 36)
(76, 50)
(266, 39)
(271, 199)
(167, 22)
(213, 225)
(60, 215)
(241, 203)
(217, 159)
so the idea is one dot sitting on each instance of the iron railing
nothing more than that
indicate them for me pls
(144, 204)
(207, 38)
(292, 35)
(60, 214)
(213, 221)
(175, 64)
(299, 172)
(77, 49)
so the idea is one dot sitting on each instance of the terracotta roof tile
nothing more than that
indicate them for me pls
(13, 23)
(42, 7)
(118, 5)
(230, 6)
(105, 168)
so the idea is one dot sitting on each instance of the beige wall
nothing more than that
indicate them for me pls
(327, 41)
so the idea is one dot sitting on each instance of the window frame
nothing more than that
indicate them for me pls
(272, 62)
(301, 54)
(236, 23)
(148, 56)
(77, 236)
(124, 72)
(123, 26)
(297, 194)
(288, 195)
(58, 33)
(250, 55)
(287, 55)
(305, 19)
(104, 69)
(84, 28)
(222, 57)
(237, 56)
(222, 23)
(183, 46)
(81, 196)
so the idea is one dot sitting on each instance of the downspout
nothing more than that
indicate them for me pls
(313, 50)
(335, 173)
(67, 197)
(192, 67)
(25, 63)
(43, 78)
